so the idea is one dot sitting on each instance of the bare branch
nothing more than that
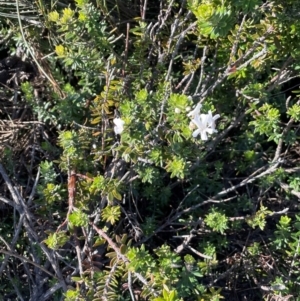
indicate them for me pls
(22, 258)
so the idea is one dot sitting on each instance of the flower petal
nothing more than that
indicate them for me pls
(216, 117)
(118, 122)
(203, 135)
(196, 133)
(196, 111)
(119, 126)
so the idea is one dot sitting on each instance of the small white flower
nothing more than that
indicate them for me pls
(177, 111)
(201, 122)
(119, 126)
(196, 111)
(206, 124)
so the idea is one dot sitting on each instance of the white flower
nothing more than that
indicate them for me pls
(201, 122)
(205, 123)
(196, 111)
(177, 111)
(119, 126)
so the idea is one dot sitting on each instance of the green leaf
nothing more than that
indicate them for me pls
(176, 167)
(294, 112)
(217, 221)
(172, 296)
(97, 185)
(111, 214)
(56, 240)
(79, 218)
(166, 292)
(117, 195)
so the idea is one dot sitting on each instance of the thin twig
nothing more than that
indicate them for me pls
(288, 189)
(27, 222)
(174, 216)
(130, 286)
(199, 253)
(51, 291)
(237, 40)
(284, 132)
(203, 59)
(33, 190)
(14, 284)
(249, 180)
(27, 260)
(14, 241)
(224, 75)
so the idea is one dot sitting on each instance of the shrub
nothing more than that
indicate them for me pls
(174, 145)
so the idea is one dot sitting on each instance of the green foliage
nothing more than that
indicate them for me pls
(52, 193)
(75, 146)
(283, 232)
(148, 174)
(213, 20)
(267, 122)
(294, 183)
(176, 167)
(72, 295)
(213, 295)
(246, 7)
(181, 216)
(48, 173)
(84, 41)
(217, 221)
(141, 259)
(294, 112)
(43, 110)
(111, 214)
(56, 240)
(68, 140)
(168, 271)
(78, 219)
(259, 219)
(255, 249)
(97, 185)
(167, 296)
